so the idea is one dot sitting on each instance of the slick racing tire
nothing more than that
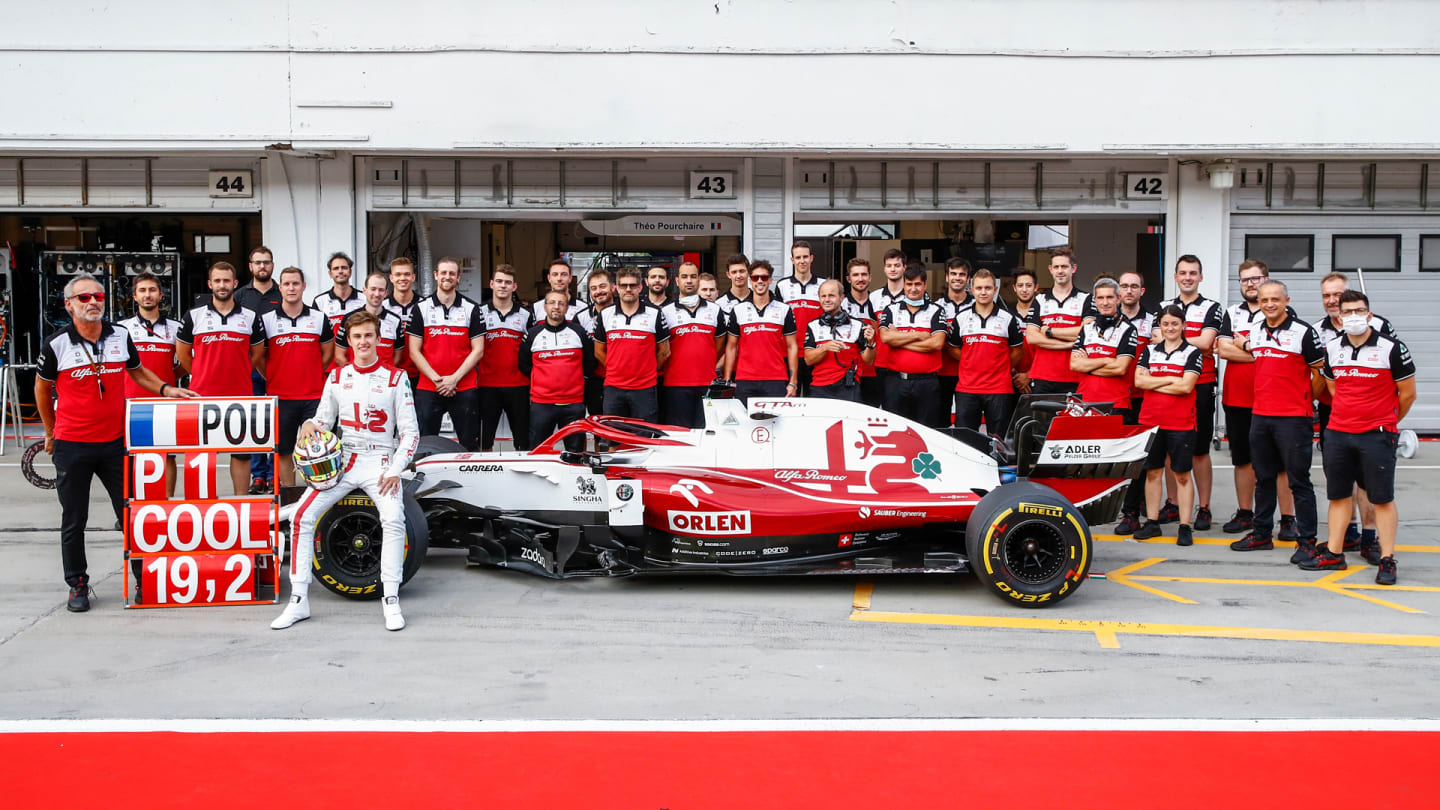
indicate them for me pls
(1028, 545)
(347, 546)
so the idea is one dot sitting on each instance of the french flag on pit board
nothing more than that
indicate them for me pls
(164, 424)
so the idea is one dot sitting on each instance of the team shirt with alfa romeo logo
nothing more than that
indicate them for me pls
(1329, 331)
(155, 341)
(445, 334)
(1365, 395)
(879, 300)
(760, 335)
(1283, 358)
(928, 318)
(587, 318)
(985, 342)
(1201, 315)
(537, 310)
(556, 359)
(336, 308)
(292, 353)
(403, 312)
(220, 364)
(692, 342)
(803, 298)
(90, 404)
(1170, 411)
(1053, 365)
(1117, 338)
(832, 367)
(630, 342)
(1144, 323)
(864, 312)
(389, 344)
(500, 364)
(1241, 321)
(949, 366)
(730, 300)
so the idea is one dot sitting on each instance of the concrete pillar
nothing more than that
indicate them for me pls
(308, 212)
(1198, 223)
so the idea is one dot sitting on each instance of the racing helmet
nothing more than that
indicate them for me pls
(317, 459)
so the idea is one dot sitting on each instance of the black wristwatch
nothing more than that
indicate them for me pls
(1049, 333)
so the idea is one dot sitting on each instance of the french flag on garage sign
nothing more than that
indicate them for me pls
(213, 424)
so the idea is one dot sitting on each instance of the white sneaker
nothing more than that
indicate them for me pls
(393, 619)
(297, 611)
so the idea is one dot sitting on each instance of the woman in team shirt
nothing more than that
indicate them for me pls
(1167, 373)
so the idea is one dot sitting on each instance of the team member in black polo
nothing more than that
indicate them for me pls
(835, 346)
(261, 295)
(1371, 379)
(85, 426)
(913, 328)
(1288, 357)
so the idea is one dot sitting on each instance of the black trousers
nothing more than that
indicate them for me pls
(1053, 387)
(996, 408)
(916, 398)
(1283, 444)
(849, 393)
(870, 391)
(1135, 495)
(545, 419)
(683, 405)
(764, 389)
(464, 410)
(75, 464)
(635, 403)
(514, 401)
(594, 395)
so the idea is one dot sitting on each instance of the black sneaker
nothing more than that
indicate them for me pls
(79, 600)
(1202, 519)
(1243, 521)
(1287, 529)
(1253, 542)
(1352, 537)
(258, 486)
(1150, 529)
(1323, 560)
(1305, 548)
(1129, 522)
(1169, 513)
(1185, 537)
(1386, 574)
(1370, 550)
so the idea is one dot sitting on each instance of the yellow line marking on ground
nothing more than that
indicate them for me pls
(1107, 632)
(1225, 541)
(1122, 576)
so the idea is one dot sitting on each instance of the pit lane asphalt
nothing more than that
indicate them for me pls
(488, 644)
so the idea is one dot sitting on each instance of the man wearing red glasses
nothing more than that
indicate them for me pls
(85, 425)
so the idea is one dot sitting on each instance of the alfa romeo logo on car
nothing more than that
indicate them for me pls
(925, 466)
(624, 492)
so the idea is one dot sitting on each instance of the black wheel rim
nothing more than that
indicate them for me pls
(1034, 552)
(353, 543)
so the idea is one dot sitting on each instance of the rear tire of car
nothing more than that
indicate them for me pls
(347, 547)
(1028, 545)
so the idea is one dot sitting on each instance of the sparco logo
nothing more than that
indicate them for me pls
(710, 522)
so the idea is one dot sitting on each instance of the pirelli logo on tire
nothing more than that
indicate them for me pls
(1041, 509)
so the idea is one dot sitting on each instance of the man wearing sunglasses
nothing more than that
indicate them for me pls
(85, 424)
(763, 354)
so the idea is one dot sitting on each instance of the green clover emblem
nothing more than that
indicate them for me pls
(925, 466)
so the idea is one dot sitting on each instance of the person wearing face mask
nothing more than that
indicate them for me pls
(913, 327)
(697, 340)
(835, 346)
(1372, 381)
(1167, 372)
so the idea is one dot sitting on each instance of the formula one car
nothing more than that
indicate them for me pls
(785, 486)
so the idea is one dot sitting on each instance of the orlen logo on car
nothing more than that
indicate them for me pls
(710, 522)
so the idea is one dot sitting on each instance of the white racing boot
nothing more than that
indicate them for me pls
(297, 611)
(393, 619)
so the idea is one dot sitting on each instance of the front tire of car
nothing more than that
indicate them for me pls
(347, 546)
(1028, 545)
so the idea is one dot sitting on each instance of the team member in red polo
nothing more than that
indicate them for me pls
(1104, 353)
(602, 295)
(559, 275)
(956, 300)
(801, 292)
(697, 342)
(298, 347)
(402, 303)
(447, 338)
(835, 346)
(1052, 326)
(1371, 379)
(913, 328)
(218, 344)
(856, 304)
(85, 424)
(502, 387)
(987, 342)
(390, 345)
(154, 338)
(1288, 357)
(1167, 372)
(1025, 286)
(556, 356)
(763, 353)
(1203, 320)
(633, 341)
(894, 290)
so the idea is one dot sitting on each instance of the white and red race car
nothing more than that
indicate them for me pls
(785, 486)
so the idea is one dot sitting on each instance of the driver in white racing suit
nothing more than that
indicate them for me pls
(376, 411)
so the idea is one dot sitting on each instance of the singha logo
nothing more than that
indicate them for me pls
(587, 486)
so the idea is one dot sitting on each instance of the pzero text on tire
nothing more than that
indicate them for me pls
(347, 546)
(1028, 544)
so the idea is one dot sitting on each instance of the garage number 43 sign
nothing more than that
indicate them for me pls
(712, 185)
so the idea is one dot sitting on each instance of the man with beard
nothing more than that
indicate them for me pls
(154, 337)
(502, 387)
(657, 287)
(955, 301)
(261, 295)
(402, 303)
(633, 341)
(298, 347)
(602, 295)
(856, 304)
(559, 275)
(835, 345)
(447, 338)
(913, 327)
(1026, 287)
(556, 356)
(341, 299)
(697, 340)
(1104, 354)
(218, 343)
